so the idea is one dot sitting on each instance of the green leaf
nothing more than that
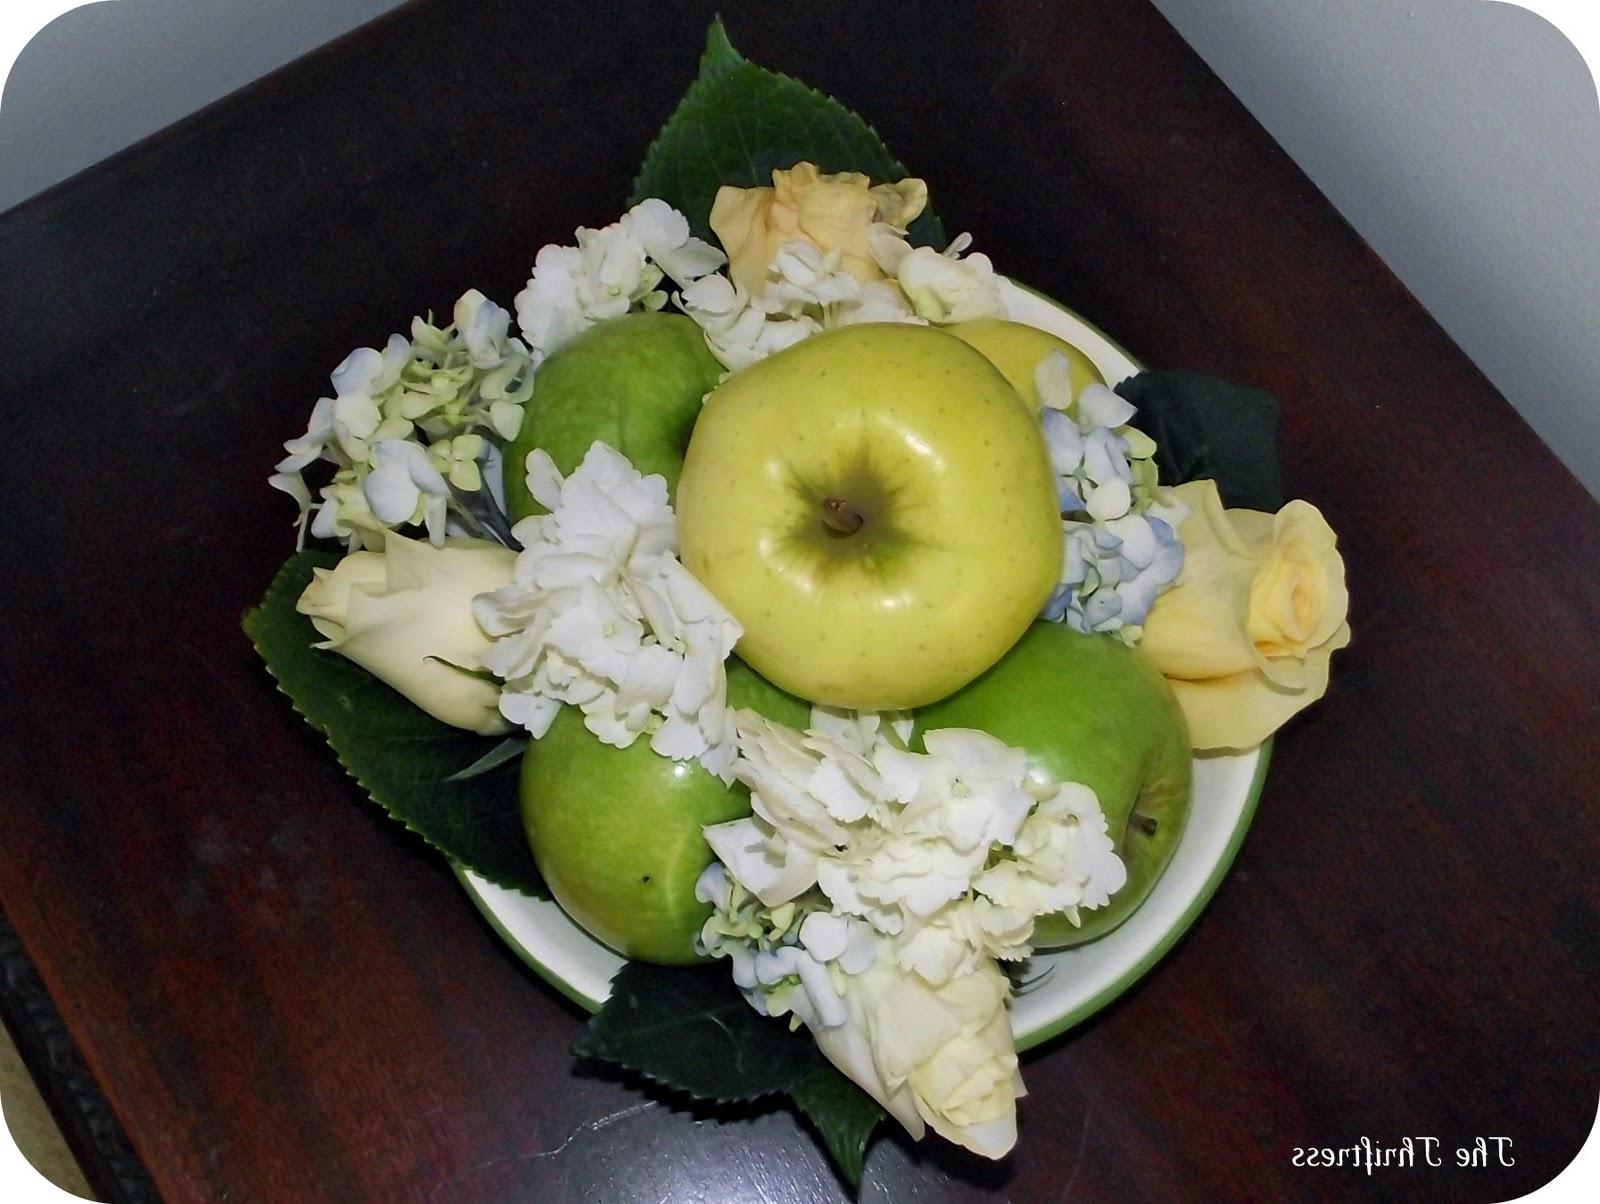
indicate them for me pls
(1204, 428)
(407, 761)
(689, 1030)
(738, 122)
(843, 1115)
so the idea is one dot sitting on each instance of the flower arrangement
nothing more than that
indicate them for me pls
(786, 660)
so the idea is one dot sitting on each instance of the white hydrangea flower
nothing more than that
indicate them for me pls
(434, 393)
(405, 487)
(938, 287)
(880, 301)
(603, 617)
(805, 292)
(944, 288)
(960, 939)
(609, 272)
(800, 812)
(485, 328)
(802, 274)
(663, 232)
(873, 890)
(889, 247)
(344, 514)
(549, 310)
(939, 1056)
(355, 413)
(901, 839)
(1063, 859)
(858, 730)
(739, 330)
(457, 460)
(969, 798)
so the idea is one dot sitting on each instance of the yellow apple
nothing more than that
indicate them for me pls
(1016, 350)
(876, 507)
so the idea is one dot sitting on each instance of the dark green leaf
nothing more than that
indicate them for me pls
(843, 1115)
(403, 758)
(738, 122)
(688, 1029)
(1205, 428)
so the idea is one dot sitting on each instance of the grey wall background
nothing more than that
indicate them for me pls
(105, 75)
(1460, 137)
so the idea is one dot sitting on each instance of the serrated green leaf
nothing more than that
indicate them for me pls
(402, 757)
(1206, 428)
(843, 1115)
(689, 1030)
(738, 122)
(720, 57)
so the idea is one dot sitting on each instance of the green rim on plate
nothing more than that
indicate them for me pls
(1114, 363)
(532, 962)
(1170, 938)
(1056, 1026)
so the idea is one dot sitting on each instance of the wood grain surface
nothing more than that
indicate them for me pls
(283, 997)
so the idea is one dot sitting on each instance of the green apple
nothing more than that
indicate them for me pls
(875, 505)
(1087, 709)
(635, 382)
(616, 831)
(1016, 349)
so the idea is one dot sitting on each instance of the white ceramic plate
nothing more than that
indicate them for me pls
(1070, 985)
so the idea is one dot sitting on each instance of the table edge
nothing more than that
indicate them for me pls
(76, 1102)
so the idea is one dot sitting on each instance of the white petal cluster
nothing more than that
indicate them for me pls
(789, 959)
(741, 329)
(805, 290)
(939, 1056)
(611, 271)
(1119, 528)
(873, 890)
(909, 842)
(941, 287)
(408, 424)
(603, 617)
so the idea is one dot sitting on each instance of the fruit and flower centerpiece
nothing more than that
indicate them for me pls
(819, 636)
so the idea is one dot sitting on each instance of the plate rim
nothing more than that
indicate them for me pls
(1125, 982)
(469, 883)
(1105, 353)
(1034, 1038)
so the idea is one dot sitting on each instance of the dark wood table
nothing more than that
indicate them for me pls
(240, 982)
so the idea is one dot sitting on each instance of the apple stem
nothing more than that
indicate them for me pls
(839, 515)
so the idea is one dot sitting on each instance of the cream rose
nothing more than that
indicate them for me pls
(940, 1057)
(1245, 636)
(834, 211)
(391, 611)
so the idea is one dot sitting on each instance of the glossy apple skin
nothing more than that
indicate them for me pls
(616, 831)
(960, 545)
(1016, 349)
(635, 382)
(1086, 709)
